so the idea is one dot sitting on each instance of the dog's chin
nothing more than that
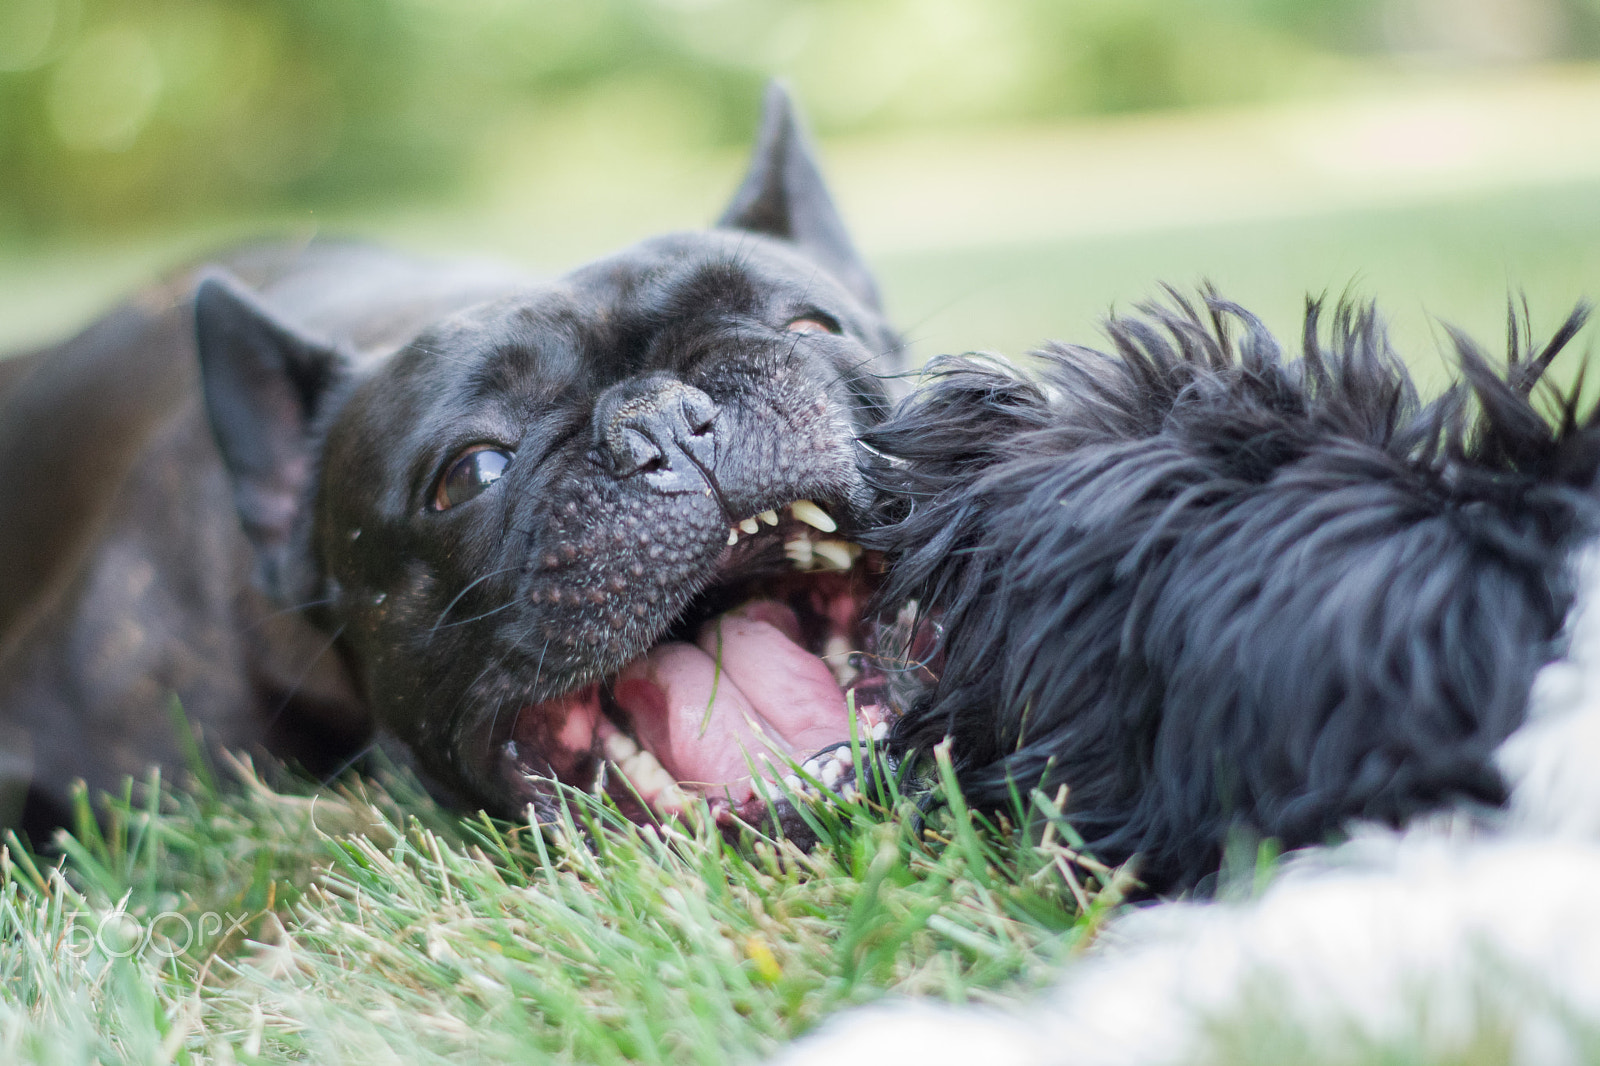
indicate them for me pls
(765, 686)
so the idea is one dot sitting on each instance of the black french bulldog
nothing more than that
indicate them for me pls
(531, 530)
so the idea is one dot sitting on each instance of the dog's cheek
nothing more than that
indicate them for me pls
(403, 659)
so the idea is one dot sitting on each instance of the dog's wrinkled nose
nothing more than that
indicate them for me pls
(659, 429)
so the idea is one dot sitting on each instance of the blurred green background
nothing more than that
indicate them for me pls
(1013, 167)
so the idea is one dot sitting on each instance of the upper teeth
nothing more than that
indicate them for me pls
(803, 510)
(803, 551)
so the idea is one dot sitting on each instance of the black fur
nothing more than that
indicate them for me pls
(1216, 590)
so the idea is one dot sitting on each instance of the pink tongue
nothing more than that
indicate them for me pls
(700, 727)
(770, 695)
(789, 687)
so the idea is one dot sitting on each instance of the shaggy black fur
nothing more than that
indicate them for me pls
(1212, 589)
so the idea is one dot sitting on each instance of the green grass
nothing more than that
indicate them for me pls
(361, 924)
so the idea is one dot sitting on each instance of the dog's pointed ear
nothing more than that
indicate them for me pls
(264, 383)
(783, 195)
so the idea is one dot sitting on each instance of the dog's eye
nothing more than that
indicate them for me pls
(468, 475)
(814, 322)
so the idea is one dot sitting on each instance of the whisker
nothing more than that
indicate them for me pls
(470, 586)
(347, 765)
(305, 672)
(294, 608)
(475, 618)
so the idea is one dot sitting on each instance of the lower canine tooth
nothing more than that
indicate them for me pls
(749, 525)
(812, 515)
(769, 517)
(837, 554)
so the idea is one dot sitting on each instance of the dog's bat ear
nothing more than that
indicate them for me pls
(264, 382)
(783, 195)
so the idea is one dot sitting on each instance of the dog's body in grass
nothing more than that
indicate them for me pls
(310, 490)
(1218, 593)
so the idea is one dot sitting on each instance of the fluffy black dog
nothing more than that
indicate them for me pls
(1214, 590)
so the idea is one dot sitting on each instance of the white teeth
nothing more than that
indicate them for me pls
(812, 515)
(836, 554)
(836, 653)
(808, 554)
(769, 517)
(834, 771)
(733, 537)
(799, 553)
(644, 770)
(749, 525)
(620, 746)
(647, 774)
(880, 730)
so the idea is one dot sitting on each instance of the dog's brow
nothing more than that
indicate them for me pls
(520, 369)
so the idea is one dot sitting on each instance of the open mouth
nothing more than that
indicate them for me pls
(763, 671)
